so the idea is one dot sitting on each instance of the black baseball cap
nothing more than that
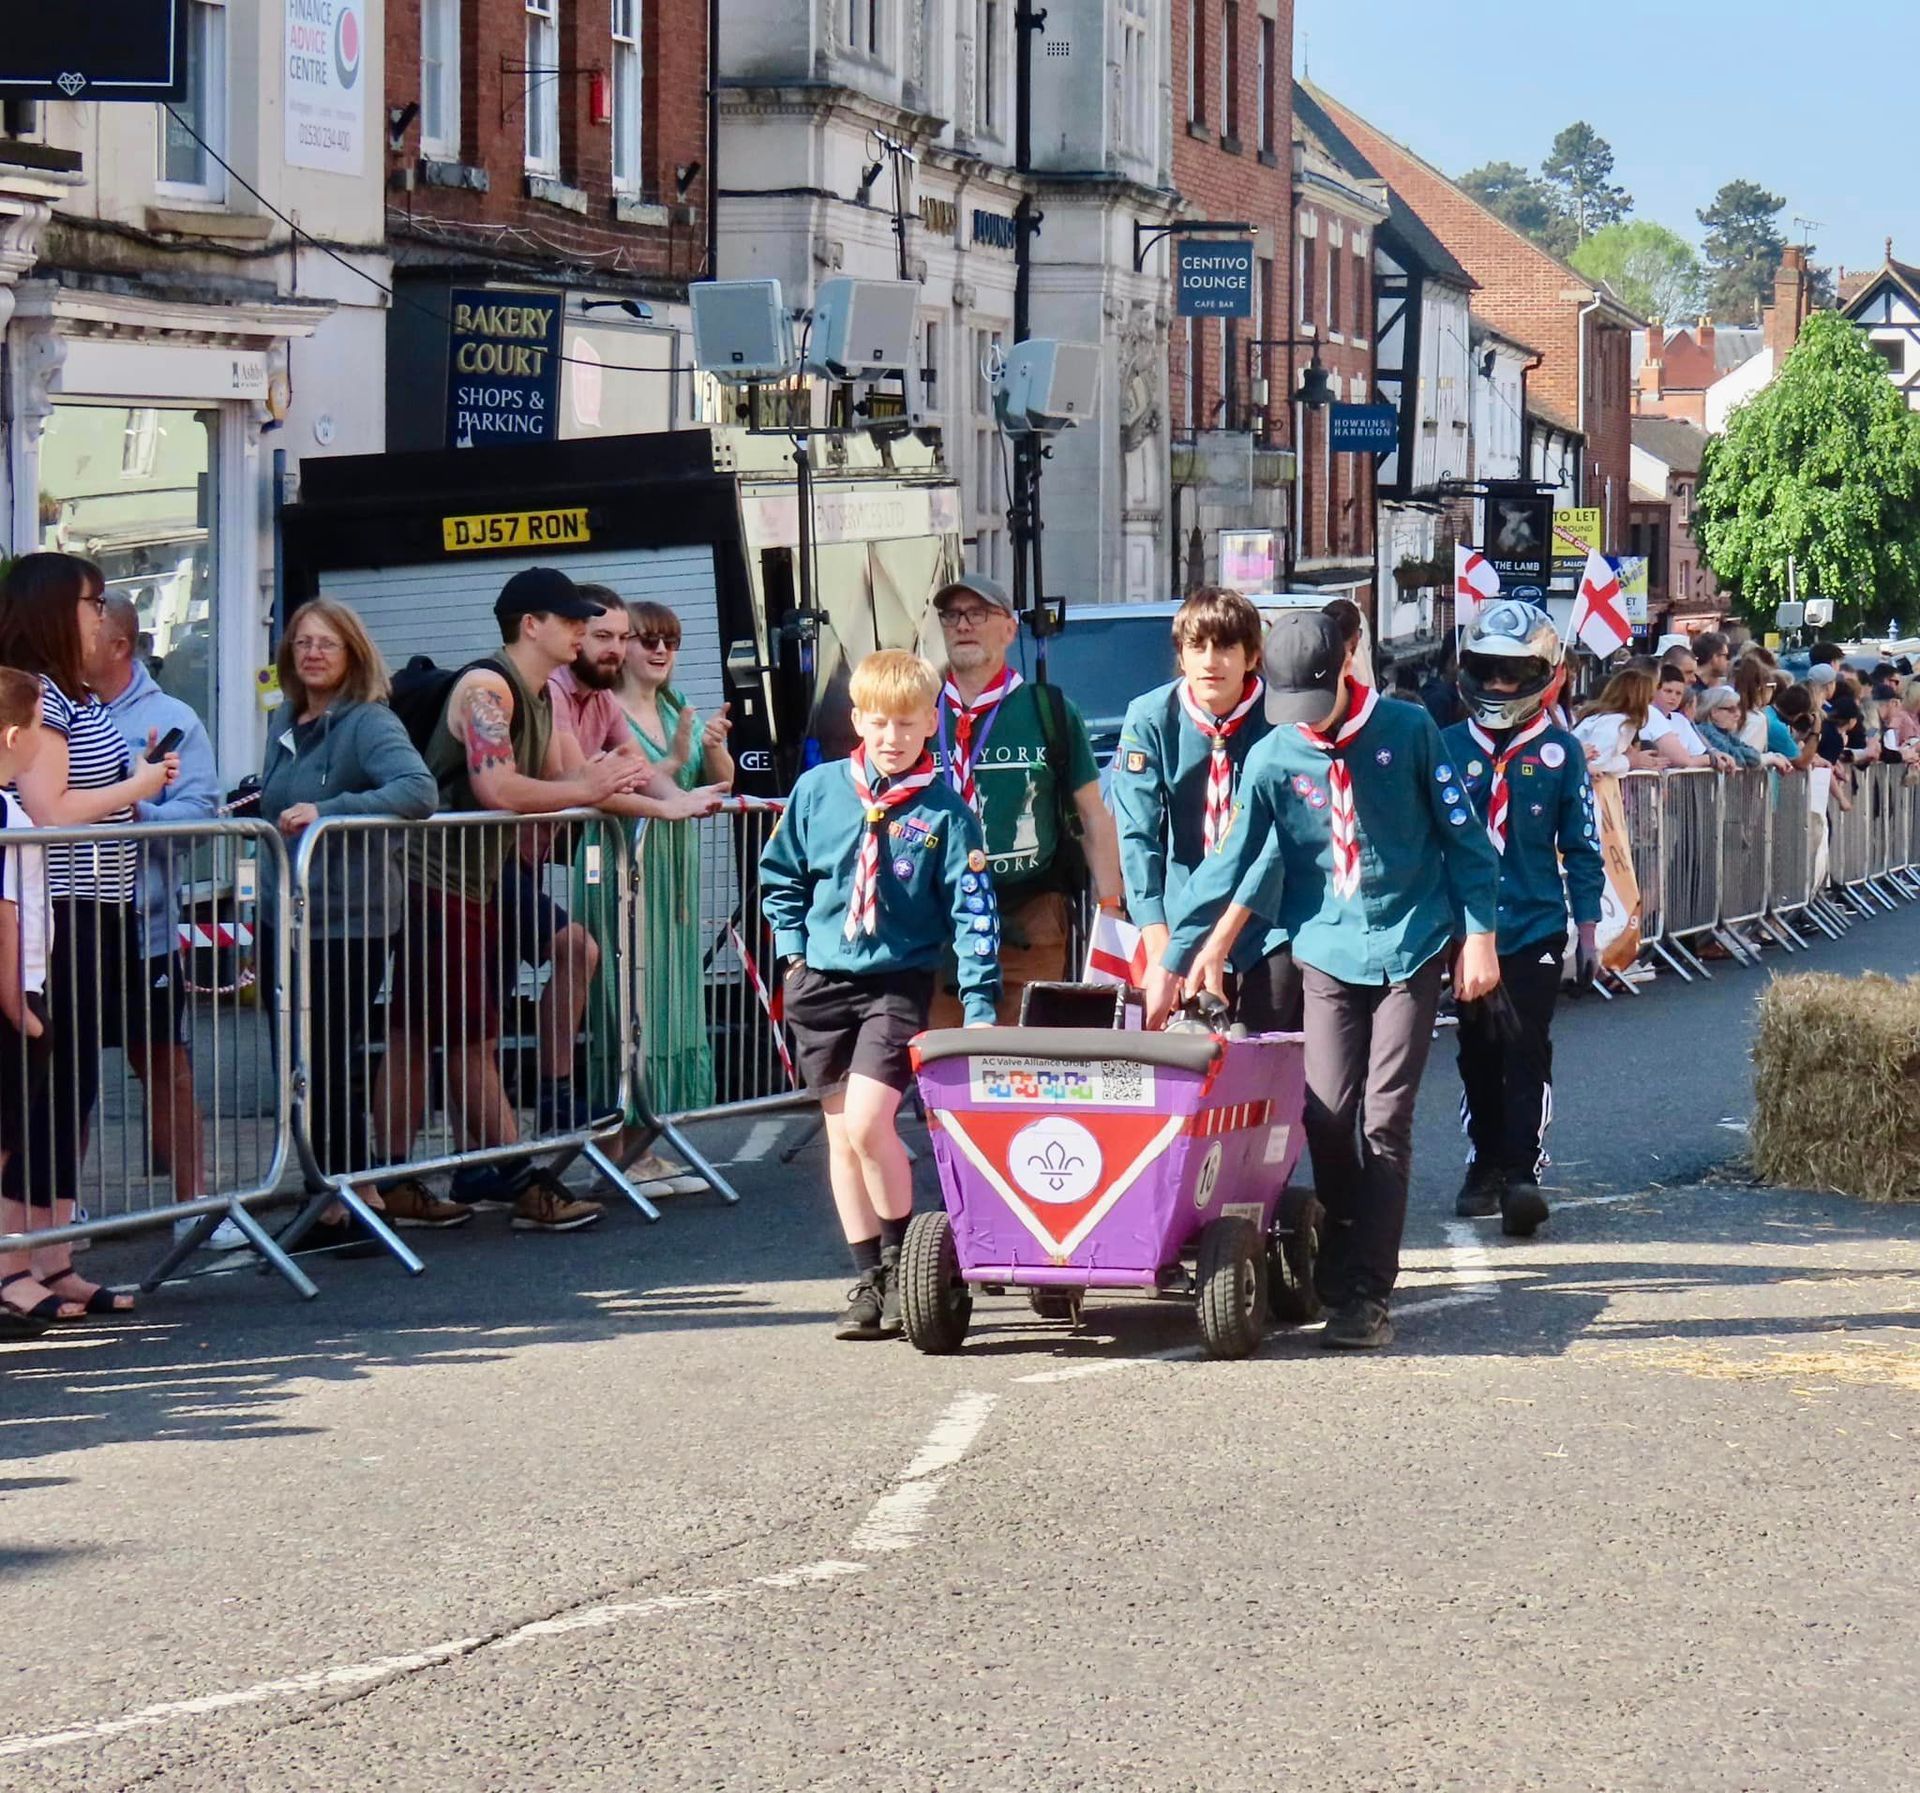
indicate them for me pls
(1301, 662)
(544, 591)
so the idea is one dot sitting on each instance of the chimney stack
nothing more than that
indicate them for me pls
(1792, 295)
(1647, 383)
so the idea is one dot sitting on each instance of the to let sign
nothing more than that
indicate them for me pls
(1363, 429)
(503, 366)
(1213, 277)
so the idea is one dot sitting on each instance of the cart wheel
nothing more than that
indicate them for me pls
(1057, 1304)
(1233, 1291)
(1292, 1254)
(935, 1303)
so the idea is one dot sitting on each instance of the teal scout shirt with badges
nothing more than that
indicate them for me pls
(935, 890)
(1424, 855)
(1159, 797)
(1550, 821)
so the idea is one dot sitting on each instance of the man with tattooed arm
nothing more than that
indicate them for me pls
(494, 747)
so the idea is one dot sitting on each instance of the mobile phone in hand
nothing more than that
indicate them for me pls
(165, 745)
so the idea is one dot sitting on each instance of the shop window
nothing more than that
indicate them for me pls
(135, 489)
(628, 176)
(543, 80)
(440, 79)
(193, 130)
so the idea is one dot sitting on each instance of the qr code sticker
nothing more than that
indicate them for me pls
(1043, 1083)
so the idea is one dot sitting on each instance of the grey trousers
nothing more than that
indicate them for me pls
(1366, 1049)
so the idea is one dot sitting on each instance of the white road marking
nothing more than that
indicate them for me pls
(894, 1521)
(1472, 1262)
(594, 1618)
(1433, 1304)
(1107, 1365)
(761, 1138)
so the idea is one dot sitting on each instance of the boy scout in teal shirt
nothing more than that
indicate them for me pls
(1352, 833)
(875, 869)
(1527, 781)
(1175, 774)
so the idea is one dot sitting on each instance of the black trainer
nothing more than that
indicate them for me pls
(1522, 1206)
(864, 1304)
(1359, 1324)
(890, 1323)
(1480, 1194)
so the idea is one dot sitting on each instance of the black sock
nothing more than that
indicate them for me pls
(893, 1233)
(866, 1254)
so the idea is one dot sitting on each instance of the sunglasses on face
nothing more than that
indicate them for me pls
(650, 641)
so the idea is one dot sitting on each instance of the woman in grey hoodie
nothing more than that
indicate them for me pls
(335, 749)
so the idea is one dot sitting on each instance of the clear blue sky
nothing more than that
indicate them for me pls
(1817, 104)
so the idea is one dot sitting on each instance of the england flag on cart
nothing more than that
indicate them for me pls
(1116, 952)
(1599, 620)
(1474, 581)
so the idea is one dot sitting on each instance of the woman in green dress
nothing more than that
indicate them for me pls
(670, 1001)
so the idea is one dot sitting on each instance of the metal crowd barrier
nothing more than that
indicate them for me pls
(1746, 857)
(1789, 889)
(1640, 801)
(150, 1099)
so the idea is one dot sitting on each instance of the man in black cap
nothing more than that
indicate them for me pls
(494, 747)
(1353, 832)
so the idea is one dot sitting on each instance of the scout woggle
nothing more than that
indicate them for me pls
(1346, 826)
(863, 908)
(1217, 731)
(1498, 798)
(962, 756)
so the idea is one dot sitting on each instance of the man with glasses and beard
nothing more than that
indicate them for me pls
(1018, 756)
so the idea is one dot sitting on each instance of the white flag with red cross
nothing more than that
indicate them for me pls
(1599, 619)
(1116, 952)
(1474, 581)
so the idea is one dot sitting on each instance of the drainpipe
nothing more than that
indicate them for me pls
(1586, 311)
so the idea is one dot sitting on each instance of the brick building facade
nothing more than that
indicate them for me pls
(555, 144)
(1232, 160)
(1579, 397)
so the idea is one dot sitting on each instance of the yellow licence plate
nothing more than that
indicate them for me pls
(515, 529)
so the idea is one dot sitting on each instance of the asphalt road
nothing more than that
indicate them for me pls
(1628, 1506)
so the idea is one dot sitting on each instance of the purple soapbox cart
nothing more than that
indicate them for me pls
(1073, 1159)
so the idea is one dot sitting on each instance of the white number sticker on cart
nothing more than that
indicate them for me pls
(1100, 1083)
(1243, 1211)
(1277, 1144)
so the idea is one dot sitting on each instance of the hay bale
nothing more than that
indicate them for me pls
(1837, 1085)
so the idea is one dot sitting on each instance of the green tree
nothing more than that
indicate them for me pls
(1655, 272)
(1517, 198)
(1743, 245)
(1577, 174)
(1822, 467)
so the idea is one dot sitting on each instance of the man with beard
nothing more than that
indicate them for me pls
(539, 930)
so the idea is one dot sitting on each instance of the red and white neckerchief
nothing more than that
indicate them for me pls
(1217, 731)
(1361, 702)
(967, 714)
(863, 907)
(1498, 798)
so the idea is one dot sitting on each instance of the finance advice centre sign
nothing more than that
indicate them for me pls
(325, 64)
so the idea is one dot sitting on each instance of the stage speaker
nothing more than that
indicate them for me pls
(862, 329)
(741, 330)
(1047, 386)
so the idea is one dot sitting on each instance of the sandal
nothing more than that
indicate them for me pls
(102, 1301)
(47, 1308)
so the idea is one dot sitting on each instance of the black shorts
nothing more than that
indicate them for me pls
(843, 1023)
(529, 918)
(143, 1002)
(23, 1072)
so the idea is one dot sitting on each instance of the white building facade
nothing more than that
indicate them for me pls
(169, 335)
(878, 141)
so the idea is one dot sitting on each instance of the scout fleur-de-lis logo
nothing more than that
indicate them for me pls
(1054, 1165)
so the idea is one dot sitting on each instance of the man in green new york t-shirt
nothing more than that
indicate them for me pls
(992, 749)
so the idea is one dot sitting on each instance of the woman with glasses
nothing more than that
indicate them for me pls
(51, 610)
(335, 749)
(671, 1017)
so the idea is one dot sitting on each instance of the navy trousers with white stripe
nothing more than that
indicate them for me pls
(1507, 1085)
